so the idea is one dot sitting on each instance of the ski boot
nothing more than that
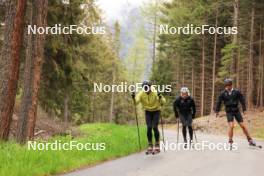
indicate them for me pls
(150, 149)
(191, 143)
(185, 144)
(253, 143)
(156, 149)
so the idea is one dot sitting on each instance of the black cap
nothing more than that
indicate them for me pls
(228, 82)
(146, 83)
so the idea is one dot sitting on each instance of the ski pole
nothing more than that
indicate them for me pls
(135, 108)
(162, 130)
(208, 122)
(178, 129)
(249, 124)
(161, 121)
(195, 135)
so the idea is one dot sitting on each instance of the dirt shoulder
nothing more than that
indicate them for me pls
(254, 120)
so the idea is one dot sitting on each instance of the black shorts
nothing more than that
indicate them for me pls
(231, 115)
(152, 118)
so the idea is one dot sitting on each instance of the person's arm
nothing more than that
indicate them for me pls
(138, 98)
(219, 103)
(193, 108)
(175, 108)
(242, 101)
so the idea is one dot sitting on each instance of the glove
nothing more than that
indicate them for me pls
(133, 95)
(159, 95)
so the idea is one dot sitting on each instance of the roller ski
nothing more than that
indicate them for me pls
(253, 144)
(185, 145)
(149, 150)
(156, 149)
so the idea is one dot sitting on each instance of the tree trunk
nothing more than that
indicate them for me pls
(238, 84)
(10, 61)
(260, 87)
(203, 78)
(154, 35)
(22, 121)
(234, 71)
(33, 69)
(178, 72)
(66, 109)
(193, 77)
(250, 86)
(93, 106)
(112, 97)
(183, 73)
(214, 64)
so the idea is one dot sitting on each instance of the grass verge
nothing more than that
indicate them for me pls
(260, 133)
(120, 140)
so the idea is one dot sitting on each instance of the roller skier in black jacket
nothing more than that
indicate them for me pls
(184, 108)
(231, 98)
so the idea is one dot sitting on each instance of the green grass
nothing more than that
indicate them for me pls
(120, 140)
(260, 133)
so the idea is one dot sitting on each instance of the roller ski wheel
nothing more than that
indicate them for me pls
(185, 144)
(253, 144)
(149, 150)
(156, 150)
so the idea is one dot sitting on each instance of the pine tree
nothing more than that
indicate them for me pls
(32, 75)
(10, 61)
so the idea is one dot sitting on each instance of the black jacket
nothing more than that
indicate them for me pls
(231, 101)
(184, 106)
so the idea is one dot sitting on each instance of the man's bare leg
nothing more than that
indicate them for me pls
(245, 131)
(230, 131)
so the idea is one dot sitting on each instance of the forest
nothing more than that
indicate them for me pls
(55, 73)
(47, 78)
(202, 62)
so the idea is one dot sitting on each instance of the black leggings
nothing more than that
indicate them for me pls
(152, 121)
(186, 120)
(184, 132)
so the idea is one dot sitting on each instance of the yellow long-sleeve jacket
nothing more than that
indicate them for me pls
(151, 101)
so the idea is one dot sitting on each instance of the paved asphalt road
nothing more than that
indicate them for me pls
(245, 161)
